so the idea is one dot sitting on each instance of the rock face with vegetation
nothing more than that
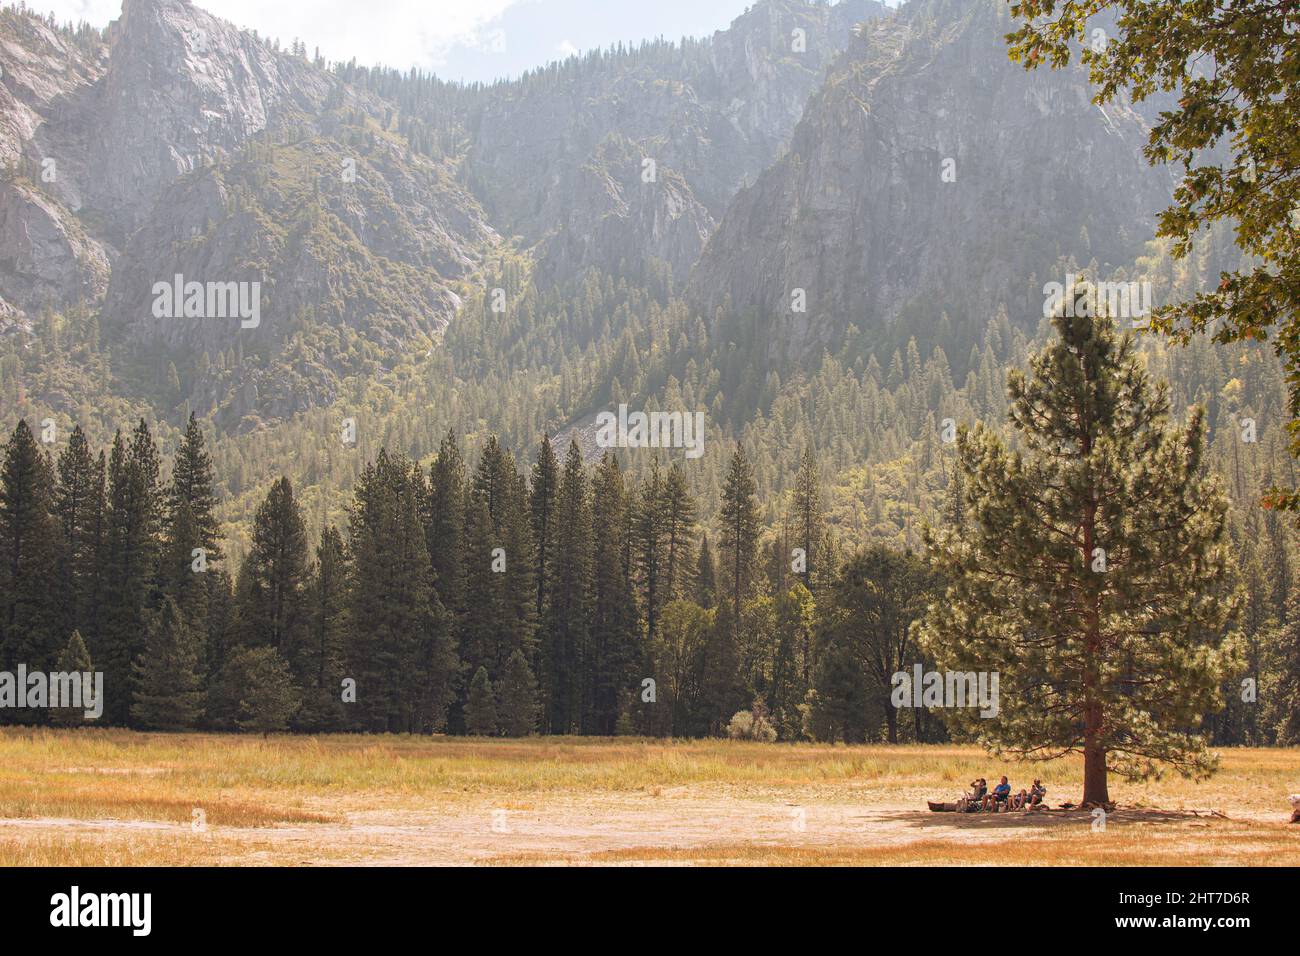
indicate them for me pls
(360, 200)
(931, 175)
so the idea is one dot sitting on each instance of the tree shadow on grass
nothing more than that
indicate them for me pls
(1046, 819)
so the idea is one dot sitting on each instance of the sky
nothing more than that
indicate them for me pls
(469, 40)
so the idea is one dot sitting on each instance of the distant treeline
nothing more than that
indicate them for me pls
(567, 599)
(484, 601)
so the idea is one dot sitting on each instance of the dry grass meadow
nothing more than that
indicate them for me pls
(115, 797)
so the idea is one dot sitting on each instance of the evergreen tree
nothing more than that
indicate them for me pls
(261, 688)
(541, 504)
(806, 509)
(131, 545)
(676, 664)
(254, 692)
(481, 708)
(444, 523)
(485, 618)
(182, 573)
(869, 613)
(29, 541)
(168, 683)
(79, 510)
(679, 517)
(270, 596)
(521, 589)
(613, 651)
(740, 528)
(221, 621)
(795, 614)
(192, 488)
(323, 651)
(1093, 577)
(649, 545)
(565, 649)
(722, 691)
(73, 659)
(833, 709)
(1285, 709)
(706, 586)
(401, 649)
(517, 698)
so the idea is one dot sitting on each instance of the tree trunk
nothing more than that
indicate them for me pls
(1094, 759)
(1094, 747)
(891, 719)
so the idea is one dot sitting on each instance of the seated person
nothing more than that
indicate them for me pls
(975, 799)
(1001, 794)
(1036, 793)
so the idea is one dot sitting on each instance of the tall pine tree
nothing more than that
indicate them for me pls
(1092, 576)
(29, 541)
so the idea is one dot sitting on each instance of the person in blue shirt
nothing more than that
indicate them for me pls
(1001, 794)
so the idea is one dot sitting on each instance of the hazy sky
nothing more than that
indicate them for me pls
(457, 39)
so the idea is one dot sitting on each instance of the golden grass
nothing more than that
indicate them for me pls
(115, 797)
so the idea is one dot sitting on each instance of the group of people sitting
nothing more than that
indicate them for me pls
(1000, 798)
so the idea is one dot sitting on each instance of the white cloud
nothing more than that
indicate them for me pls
(397, 33)
(565, 49)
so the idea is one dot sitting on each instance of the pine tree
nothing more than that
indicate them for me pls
(486, 617)
(131, 545)
(679, 516)
(168, 683)
(254, 693)
(79, 510)
(517, 698)
(740, 528)
(182, 574)
(521, 588)
(722, 690)
(192, 488)
(806, 508)
(29, 540)
(541, 507)
(327, 627)
(481, 708)
(401, 649)
(444, 523)
(648, 545)
(614, 654)
(833, 709)
(221, 633)
(869, 613)
(502, 493)
(491, 477)
(270, 596)
(1092, 577)
(706, 581)
(564, 652)
(74, 659)
(795, 613)
(268, 699)
(1285, 654)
